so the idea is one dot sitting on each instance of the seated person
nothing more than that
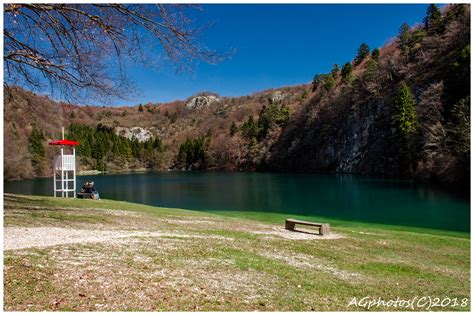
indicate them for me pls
(88, 187)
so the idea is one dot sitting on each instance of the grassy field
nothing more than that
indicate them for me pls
(106, 255)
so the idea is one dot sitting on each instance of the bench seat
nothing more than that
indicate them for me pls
(324, 228)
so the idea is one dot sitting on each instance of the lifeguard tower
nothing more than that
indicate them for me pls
(64, 168)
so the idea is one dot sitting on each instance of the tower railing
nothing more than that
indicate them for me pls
(64, 168)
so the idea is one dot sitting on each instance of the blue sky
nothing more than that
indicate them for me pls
(275, 45)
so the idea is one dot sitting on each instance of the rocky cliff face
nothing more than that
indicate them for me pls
(356, 138)
(201, 101)
(138, 133)
(278, 96)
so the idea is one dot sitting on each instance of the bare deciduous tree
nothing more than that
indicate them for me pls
(81, 51)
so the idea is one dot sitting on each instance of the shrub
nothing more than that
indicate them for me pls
(328, 83)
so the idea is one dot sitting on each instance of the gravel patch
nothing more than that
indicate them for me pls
(185, 222)
(21, 237)
(297, 235)
(308, 262)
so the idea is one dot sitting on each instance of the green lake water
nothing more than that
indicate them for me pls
(344, 197)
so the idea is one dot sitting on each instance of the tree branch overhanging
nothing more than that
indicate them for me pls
(80, 50)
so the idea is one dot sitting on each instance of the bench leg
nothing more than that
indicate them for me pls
(324, 229)
(290, 226)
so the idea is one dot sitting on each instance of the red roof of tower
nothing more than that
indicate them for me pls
(64, 142)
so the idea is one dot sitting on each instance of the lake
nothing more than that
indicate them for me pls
(345, 197)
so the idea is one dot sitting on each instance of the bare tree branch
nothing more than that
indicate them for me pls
(80, 51)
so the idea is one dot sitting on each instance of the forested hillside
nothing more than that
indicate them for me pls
(221, 134)
(402, 110)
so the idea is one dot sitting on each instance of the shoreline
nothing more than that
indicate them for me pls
(97, 172)
(262, 216)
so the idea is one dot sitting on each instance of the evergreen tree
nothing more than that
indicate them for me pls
(362, 52)
(433, 20)
(233, 128)
(317, 79)
(335, 71)
(158, 144)
(126, 149)
(370, 71)
(155, 161)
(457, 80)
(405, 114)
(408, 40)
(375, 54)
(265, 120)
(136, 149)
(455, 12)
(405, 106)
(148, 149)
(36, 148)
(404, 38)
(283, 115)
(460, 128)
(249, 128)
(104, 146)
(100, 165)
(192, 153)
(116, 150)
(85, 149)
(98, 149)
(346, 72)
(416, 37)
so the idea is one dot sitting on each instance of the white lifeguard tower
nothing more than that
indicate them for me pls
(64, 168)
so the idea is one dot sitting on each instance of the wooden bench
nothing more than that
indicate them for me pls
(324, 228)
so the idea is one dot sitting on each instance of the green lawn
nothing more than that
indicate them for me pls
(109, 255)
